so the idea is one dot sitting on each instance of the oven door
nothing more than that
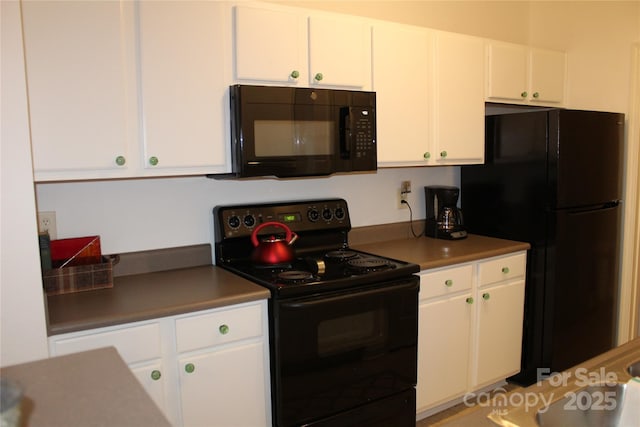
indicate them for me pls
(334, 353)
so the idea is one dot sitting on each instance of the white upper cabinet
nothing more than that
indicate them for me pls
(402, 75)
(339, 51)
(286, 46)
(507, 71)
(523, 75)
(126, 89)
(547, 76)
(184, 99)
(430, 96)
(458, 127)
(270, 45)
(82, 87)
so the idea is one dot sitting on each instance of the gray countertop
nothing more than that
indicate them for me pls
(149, 295)
(90, 389)
(432, 253)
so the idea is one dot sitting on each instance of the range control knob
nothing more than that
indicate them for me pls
(234, 221)
(249, 220)
(327, 215)
(313, 214)
(340, 213)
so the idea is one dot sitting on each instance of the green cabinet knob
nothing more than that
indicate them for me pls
(153, 160)
(120, 160)
(295, 74)
(505, 270)
(536, 95)
(427, 155)
(224, 329)
(189, 368)
(155, 375)
(524, 94)
(448, 283)
(469, 300)
(443, 154)
(318, 77)
(486, 296)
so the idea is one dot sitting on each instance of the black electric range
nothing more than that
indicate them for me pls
(343, 324)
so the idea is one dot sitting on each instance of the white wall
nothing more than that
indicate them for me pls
(133, 215)
(23, 327)
(502, 20)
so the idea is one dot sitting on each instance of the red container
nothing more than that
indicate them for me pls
(75, 251)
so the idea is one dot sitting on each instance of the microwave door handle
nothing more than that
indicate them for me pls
(345, 133)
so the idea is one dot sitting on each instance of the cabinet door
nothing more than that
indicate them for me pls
(183, 89)
(152, 378)
(225, 387)
(270, 45)
(82, 93)
(499, 332)
(459, 99)
(339, 51)
(443, 350)
(401, 82)
(507, 66)
(547, 76)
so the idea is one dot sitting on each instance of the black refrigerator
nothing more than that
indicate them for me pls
(553, 178)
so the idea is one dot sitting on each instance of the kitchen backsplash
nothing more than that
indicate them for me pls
(144, 214)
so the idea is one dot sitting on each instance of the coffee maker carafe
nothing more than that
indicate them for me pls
(444, 219)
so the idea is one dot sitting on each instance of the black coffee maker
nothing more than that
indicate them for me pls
(444, 219)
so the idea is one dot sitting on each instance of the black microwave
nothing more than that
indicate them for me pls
(295, 132)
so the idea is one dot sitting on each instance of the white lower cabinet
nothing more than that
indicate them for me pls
(499, 332)
(223, 368)
(207, 368)
(150, 375)
(224, 388)
(470, 327)
(445, 326)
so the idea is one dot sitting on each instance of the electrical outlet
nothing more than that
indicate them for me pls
(403, 194)
(47, 223)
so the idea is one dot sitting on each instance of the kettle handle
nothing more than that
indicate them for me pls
(289, 235)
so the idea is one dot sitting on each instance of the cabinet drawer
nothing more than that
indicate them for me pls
(446, 281)
(219, 327)
(135, 343)
(504, 268)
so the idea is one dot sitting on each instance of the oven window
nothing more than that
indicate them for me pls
(356, 331)
(285, 138)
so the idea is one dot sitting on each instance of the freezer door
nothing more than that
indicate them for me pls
(582, 285)
(585, 157)
(506, 197)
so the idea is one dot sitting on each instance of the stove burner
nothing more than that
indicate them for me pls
(295, 276)
(340, 255)
(365, 265)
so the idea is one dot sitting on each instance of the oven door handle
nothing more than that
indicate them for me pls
(408, 285)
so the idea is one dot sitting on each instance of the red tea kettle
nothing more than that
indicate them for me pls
(273, 250)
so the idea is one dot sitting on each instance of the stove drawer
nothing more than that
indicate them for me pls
(445, 281)
(221, 326)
